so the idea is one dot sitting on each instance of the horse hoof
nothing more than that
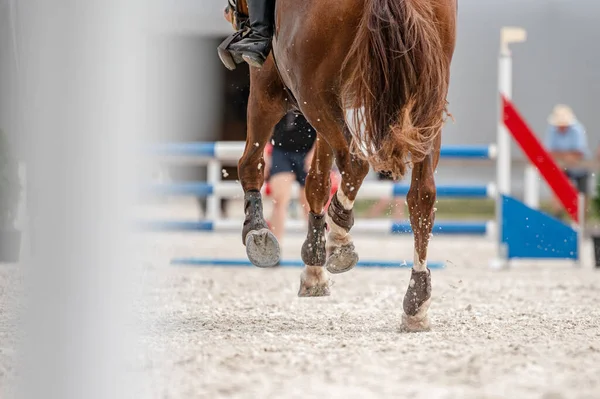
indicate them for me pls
(415, 323)
(314, 282)
(262, 248)
(342, 259)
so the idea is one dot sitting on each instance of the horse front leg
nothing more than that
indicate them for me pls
(421, 200)
(265, 108)
(314, 280)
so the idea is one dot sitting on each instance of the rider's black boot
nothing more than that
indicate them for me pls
(253, 45)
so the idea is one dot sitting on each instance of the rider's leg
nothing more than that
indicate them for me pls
(255, 45)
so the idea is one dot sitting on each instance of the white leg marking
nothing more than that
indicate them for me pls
(420, 265)
(313, 276)
(418, 322)
(345, 201)
(314, 281)
(337, 236)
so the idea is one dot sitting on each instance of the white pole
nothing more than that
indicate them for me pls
(532, 187)
(580, 230)
(213, 202)
(503, 139)
(503, 162)
(503, 159)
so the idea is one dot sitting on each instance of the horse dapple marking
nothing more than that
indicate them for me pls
(391, 60)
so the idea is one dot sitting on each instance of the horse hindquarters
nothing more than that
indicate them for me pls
(397, 73)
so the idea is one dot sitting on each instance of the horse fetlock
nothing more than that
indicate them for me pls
(416, 303)
(314, 282)
(253, 210)
(418, 295)
(313, 250)
(339, 215)
(313, 253)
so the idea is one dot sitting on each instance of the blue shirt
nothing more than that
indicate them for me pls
(572, 139)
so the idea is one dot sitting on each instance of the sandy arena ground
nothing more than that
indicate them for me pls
(529, 332)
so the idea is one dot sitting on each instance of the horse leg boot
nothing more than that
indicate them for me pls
(314, 280)
(421, 200)
(253, 45)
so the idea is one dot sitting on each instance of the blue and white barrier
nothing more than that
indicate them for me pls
(213, 153)
(368, 190)
(201, 151)
(233, 150)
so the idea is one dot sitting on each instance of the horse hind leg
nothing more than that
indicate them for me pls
(421, 200)
(342, 256)
(336, 250)
(266, 106)
(314, 280)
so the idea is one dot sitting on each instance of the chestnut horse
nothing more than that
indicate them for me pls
(387, 63)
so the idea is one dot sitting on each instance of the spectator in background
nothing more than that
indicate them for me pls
(291, 152)
(567, 143)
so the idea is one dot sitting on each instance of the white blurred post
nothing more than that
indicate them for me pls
(580, 227)
(503, 165)
(531, 186)
(82, 91)
(503, 162)
(213, 201)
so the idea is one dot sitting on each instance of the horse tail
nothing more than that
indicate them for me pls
(397, 71)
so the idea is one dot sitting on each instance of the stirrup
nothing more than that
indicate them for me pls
(227, 58)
